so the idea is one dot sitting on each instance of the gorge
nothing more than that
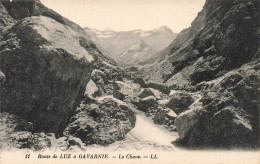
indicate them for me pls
(66, 88)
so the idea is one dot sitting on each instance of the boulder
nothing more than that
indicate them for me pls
(9, 125)
(99, 78)
(22, 139)
(141, 82)
(179, 102)
(47, 71)
(146, 103)
(185, 122)
(146, 92)
(70, 143)
(160, 115)
(230, 128)
(75, 141)
(128, 112)
(102, 123)
(171, 115)
(91, 88)
(117, 94)
(121, 90)
(2, 78)
(35, 142)
(164, 89)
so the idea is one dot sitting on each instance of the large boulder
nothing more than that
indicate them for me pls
(185, 122)
(46, 71)
(102, 123)
(179, 102)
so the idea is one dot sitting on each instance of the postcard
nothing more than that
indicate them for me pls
(127, 81)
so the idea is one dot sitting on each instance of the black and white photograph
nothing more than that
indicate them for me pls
(129, 81)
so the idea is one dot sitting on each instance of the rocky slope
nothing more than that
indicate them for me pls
(217, 57)
(133, 48)
(218, 40)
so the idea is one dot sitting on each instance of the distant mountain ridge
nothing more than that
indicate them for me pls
(132, 47)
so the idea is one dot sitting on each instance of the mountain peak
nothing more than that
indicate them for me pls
(163, 28)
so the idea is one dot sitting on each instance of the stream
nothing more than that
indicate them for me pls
(145, 135)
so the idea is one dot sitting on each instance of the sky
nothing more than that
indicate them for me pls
(125, 15)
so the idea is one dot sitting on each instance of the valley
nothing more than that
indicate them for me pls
(65, 88)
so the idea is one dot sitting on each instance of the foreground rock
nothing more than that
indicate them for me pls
(47, 71)
(101, 123)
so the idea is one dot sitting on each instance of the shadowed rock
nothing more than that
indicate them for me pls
(179, 102)
(47, 71)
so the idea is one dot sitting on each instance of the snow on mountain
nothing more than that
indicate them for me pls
(132, 48)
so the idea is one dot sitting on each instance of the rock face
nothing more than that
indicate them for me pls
(218, 57)
(229, 114)
(179, 102)
(54, 74)
(102, 123)
(224, 36)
